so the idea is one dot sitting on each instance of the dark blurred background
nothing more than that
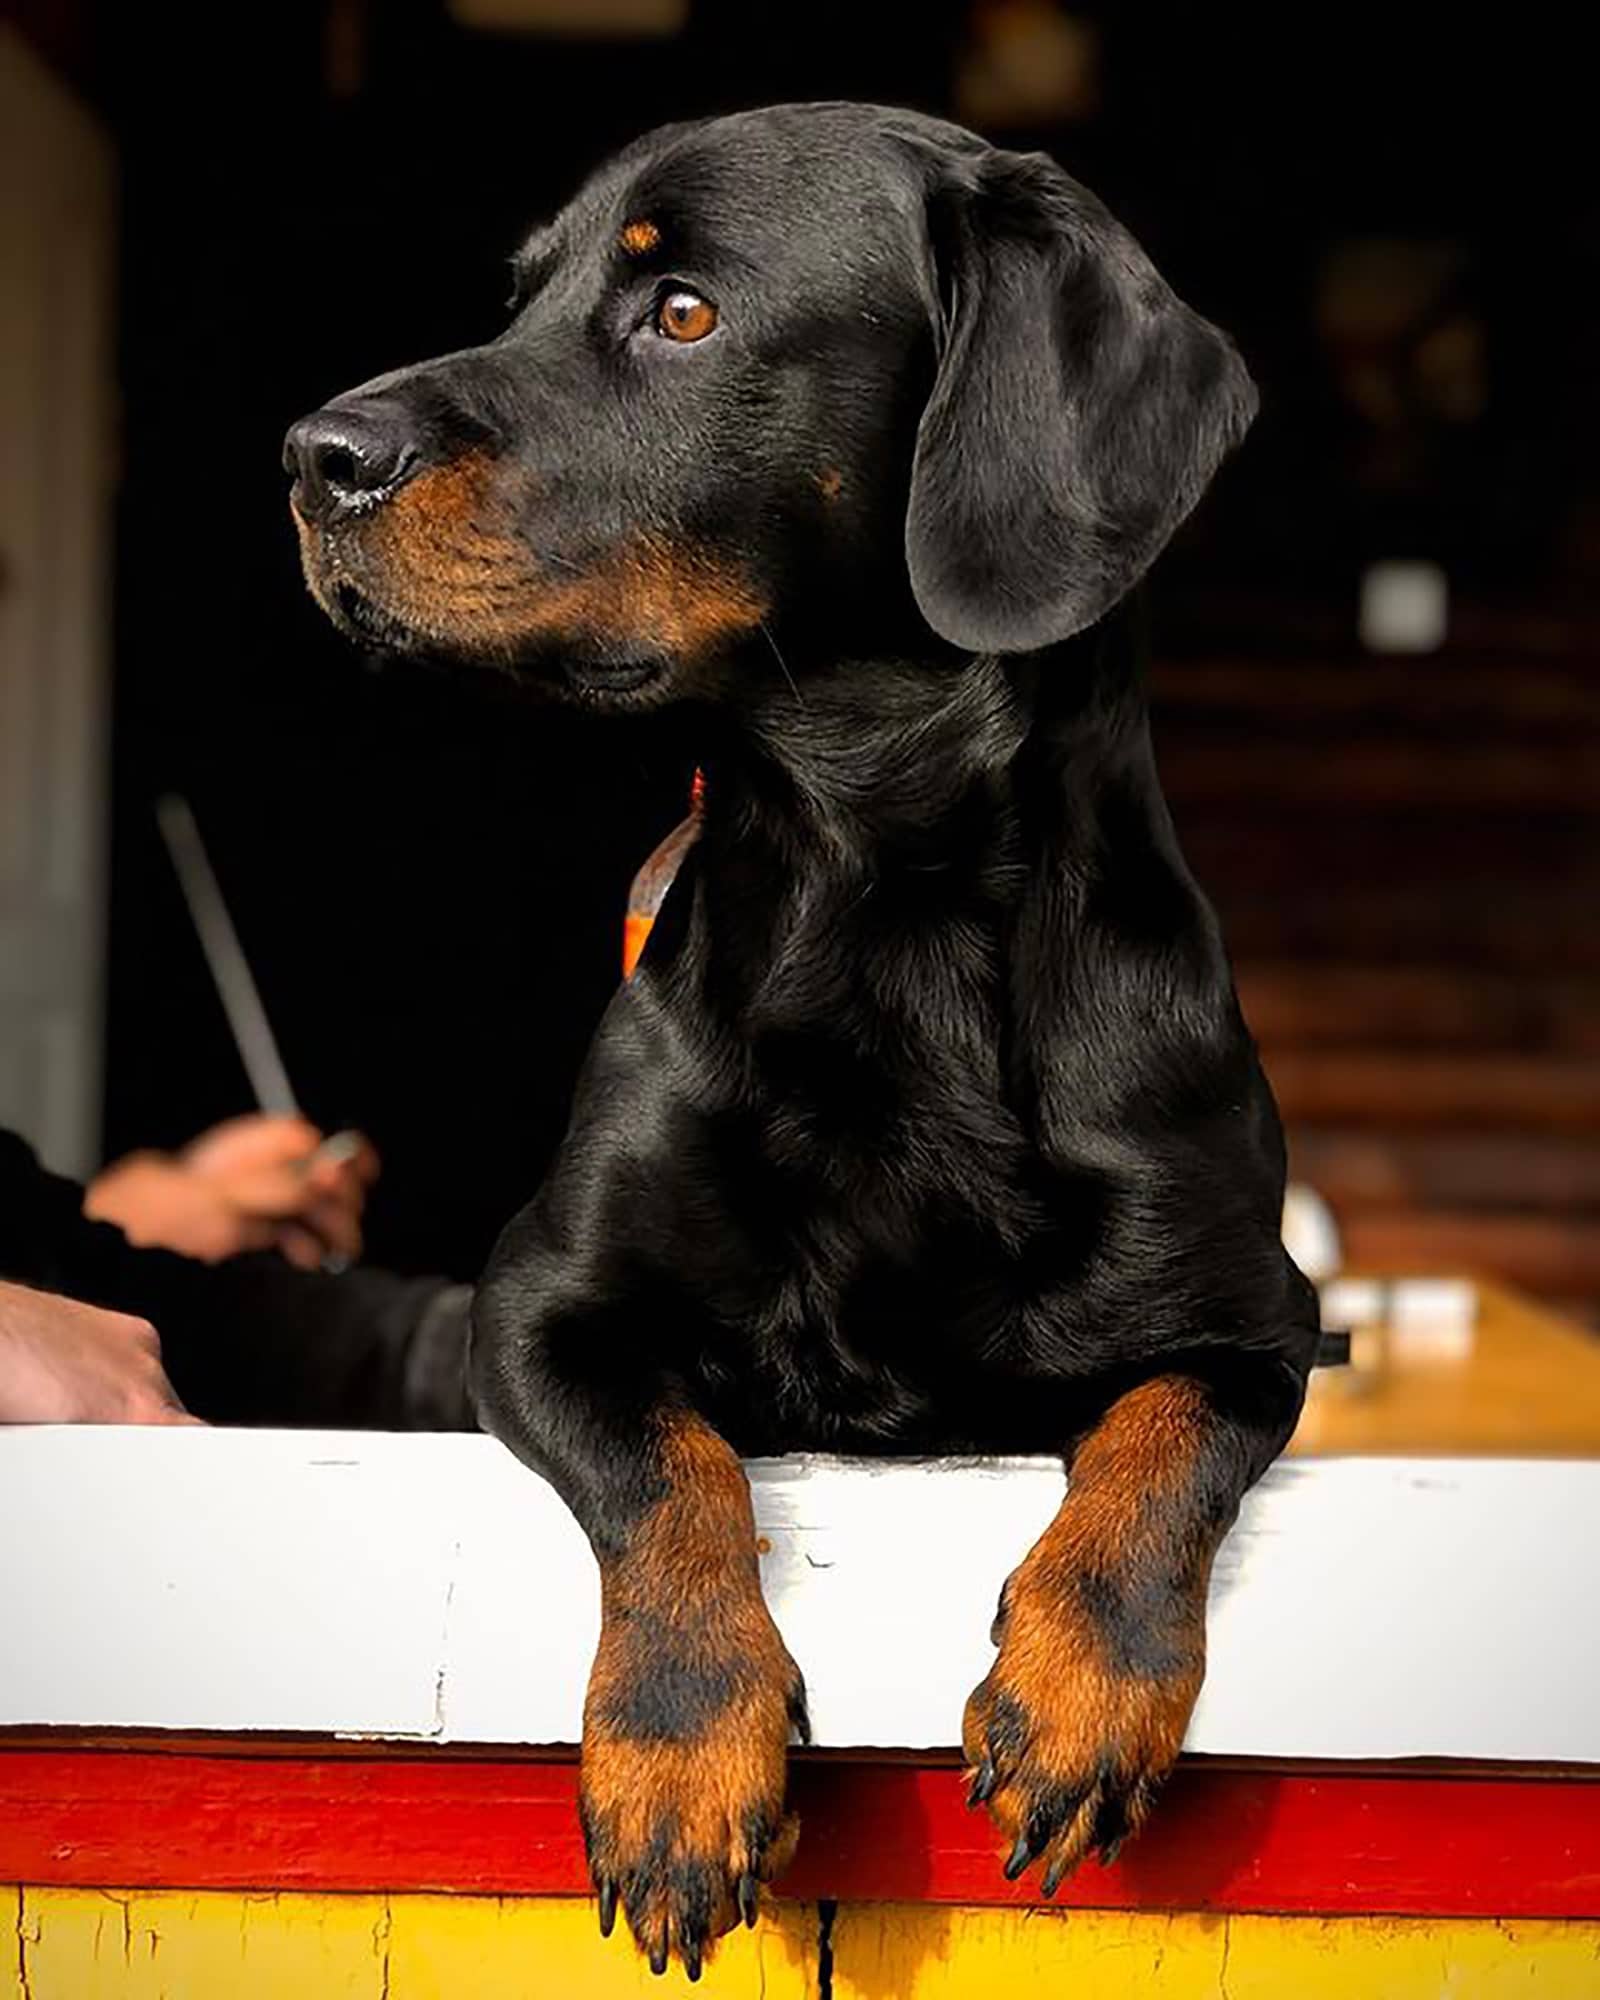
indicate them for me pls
(1378, 645)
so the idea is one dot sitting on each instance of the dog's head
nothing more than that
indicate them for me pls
(819, 367)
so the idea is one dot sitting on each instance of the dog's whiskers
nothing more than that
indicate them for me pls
(560, 562)
(794, 685)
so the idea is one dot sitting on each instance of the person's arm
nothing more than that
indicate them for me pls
(251, 1340)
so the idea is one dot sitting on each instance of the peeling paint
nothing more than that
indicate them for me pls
(124, 1904)
(827, 1916)
(382, 1935)
(24, 1939)
(438, 1730)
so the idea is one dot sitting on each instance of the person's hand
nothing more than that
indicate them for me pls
(62, 1362)
(254, 1183)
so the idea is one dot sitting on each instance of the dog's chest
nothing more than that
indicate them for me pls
(881, 1283)
(920, 1338)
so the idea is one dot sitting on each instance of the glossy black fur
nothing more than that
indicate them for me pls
(929, 1123)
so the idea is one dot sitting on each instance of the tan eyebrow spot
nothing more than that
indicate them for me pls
(639, 237)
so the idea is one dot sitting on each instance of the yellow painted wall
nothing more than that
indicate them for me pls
(85, 1944)
(914, 1952)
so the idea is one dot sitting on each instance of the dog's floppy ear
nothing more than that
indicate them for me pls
(1079, 409)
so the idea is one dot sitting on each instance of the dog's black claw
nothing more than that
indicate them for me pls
(749, 1900)
(691, 1958)
(608, 1906)
(1054, 1875)
(658, 1957)
(1110, 1827)
(1020, 1855)
(983, 1784)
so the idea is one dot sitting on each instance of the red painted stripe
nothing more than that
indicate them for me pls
(1222, 1839)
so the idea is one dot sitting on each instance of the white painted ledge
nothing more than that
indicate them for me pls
(428, 1589)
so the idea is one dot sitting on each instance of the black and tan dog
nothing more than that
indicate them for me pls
(929, 1123)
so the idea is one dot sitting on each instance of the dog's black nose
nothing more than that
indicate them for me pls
(343, 460)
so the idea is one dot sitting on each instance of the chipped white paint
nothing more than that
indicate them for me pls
(431, 1589)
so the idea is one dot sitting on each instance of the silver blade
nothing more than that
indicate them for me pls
(236, 986)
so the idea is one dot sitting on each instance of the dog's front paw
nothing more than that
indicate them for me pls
(684, 1766)
(1071, 1732)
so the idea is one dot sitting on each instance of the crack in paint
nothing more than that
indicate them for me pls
(381, 1932)
(1222, 1969)
(125, 1905)
(827, 1911)
(24, 1980)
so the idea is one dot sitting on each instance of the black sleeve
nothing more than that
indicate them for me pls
(252, 1340)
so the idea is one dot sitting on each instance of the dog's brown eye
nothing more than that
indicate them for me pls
(685, 316)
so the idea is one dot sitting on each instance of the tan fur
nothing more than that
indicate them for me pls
(440, 556)
(1082, 1711)
(691, 1565)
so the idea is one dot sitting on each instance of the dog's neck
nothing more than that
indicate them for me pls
(910, 797)
(852, 758)
(864, 756)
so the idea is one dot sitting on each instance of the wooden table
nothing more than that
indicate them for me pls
(1529, 1387)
